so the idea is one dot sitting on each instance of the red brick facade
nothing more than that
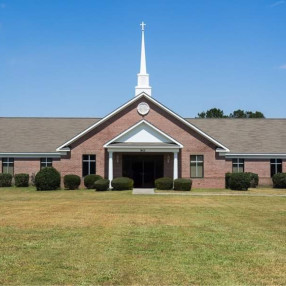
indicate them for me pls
(193, 143)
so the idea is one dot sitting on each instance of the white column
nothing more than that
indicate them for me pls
(175, 169)
(110, 167)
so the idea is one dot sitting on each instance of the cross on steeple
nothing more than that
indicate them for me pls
(142, 26)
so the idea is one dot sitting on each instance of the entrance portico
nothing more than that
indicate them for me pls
(143, 147)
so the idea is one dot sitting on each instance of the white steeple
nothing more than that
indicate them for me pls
(142, 76)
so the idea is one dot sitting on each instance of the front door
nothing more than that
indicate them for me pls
(143, 169)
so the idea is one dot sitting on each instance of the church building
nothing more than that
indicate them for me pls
(144, 140)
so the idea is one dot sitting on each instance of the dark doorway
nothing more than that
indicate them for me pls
(143, 169)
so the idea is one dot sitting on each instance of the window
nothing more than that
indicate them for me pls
(8, 165)
(237, 165)
(46, 162)
(88, 165)
(275, 166)
(197, 166)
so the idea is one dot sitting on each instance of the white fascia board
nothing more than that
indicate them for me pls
(32, 155)
(143, 150)
(156, 103)
(137, 124)
(254, 155)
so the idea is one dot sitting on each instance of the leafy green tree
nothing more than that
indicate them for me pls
(238, 114)
(212, 113)
(256, 114)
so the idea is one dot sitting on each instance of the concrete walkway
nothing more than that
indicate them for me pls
(219, 194)
(143, 192)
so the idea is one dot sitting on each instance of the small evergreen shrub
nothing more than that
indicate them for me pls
(182, 184)
(164, 183)
(279, 180)
(254, 179)
(227, 178)
(5, 180)
(89, 181)
(22, 180)
(239, 181)
(122, 183)
(47, 179)
(71, 182)
(101, 185)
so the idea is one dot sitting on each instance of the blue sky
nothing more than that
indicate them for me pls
(80, 58)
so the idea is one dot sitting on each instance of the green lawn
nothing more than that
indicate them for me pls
(84, 237)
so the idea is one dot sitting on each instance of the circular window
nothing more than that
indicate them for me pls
(143, 108)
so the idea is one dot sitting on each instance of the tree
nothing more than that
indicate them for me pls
(212, 113)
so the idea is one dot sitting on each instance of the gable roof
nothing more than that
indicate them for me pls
(136, 98)
(131, 135)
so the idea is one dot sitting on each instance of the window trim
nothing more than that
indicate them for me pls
(89, 161)
(197, 161)
(275, 163)
(8, 164)
(235, 161)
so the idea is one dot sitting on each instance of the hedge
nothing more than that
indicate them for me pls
(164, 183)
(47, 179)
(5, 180)
(71, 182)
(254, 179)
(101, 185)
(182, 184)
(89, 181)
(227, 178)
(279, 180)
(122, 183)
(22, 180)
(239, 181)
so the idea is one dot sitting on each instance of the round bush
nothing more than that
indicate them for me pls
(101, 185)
(48, 179)
(164, 183)
(239, 181)
(279, 180)
(122, 183)
(254, 179)
(22, 180)
(182, 184)
(227, 178)
(71, 182)
(6, 180)
(89, 181)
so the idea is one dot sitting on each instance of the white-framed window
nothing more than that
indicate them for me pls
(88, 165)
(275, 166)
(237, 165)
(46, 162)
(8, 165)
(197, 166)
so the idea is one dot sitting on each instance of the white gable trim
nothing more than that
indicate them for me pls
(156, 103)
(137, 124)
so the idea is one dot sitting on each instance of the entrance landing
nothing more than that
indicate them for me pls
(143, 192)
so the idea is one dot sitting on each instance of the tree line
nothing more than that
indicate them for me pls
(239, 113)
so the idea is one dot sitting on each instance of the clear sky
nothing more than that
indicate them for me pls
(80, 58)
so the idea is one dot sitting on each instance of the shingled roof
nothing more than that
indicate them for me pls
(46, 134)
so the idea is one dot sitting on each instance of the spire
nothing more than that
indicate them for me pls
(142, 76)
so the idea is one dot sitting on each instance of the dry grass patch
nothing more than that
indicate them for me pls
(111, 238)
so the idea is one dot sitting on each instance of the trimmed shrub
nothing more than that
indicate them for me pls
(182, 184)
(279, 180)
(89, 181)
(122, 183)
(164, 183)
(227, 178)
(71, 182)
(101, 185)
(254, 179)
(22, 180)
(239, 181)
(5, 180)
(47, 179)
